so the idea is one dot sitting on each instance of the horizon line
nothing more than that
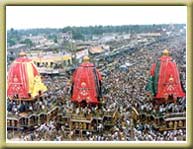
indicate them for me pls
(94, 26)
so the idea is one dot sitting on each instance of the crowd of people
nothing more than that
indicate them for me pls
(121, 90)
(53, 96)
(130, 86)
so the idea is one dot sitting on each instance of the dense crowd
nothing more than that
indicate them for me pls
(121, 90)
(54, 95)
(130, 86)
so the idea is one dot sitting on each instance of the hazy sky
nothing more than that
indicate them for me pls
(23, 17)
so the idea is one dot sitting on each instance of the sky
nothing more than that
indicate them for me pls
(25, 17)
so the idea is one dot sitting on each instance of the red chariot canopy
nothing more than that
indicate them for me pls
(86, 84)
(23, 79)
(168, 79)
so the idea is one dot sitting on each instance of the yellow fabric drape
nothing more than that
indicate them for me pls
(38, 86)
(34, 82)
(30, 75)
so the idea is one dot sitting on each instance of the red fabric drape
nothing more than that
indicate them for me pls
(169, 80)
(85, 83)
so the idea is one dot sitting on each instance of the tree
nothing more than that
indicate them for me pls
(53, 37)
(11, 42)
(13, 37)
(28, 42)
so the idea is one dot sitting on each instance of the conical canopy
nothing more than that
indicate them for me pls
(24, 80)
(165, 79)
(86, 83)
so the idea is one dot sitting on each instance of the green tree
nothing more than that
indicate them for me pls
(28, 42)
(13, 37)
